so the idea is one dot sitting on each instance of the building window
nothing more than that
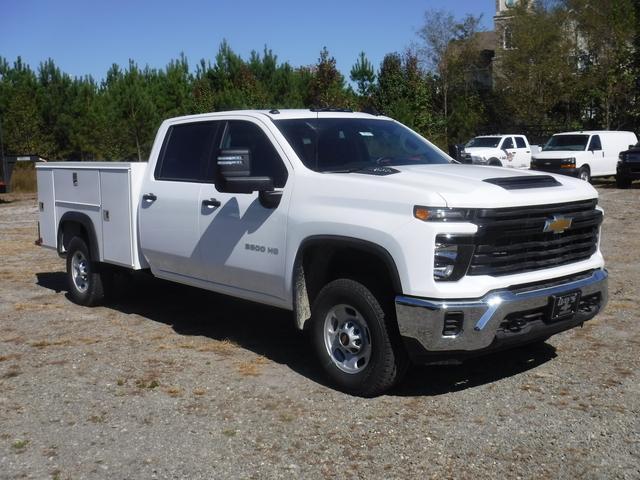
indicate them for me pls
(507, 37)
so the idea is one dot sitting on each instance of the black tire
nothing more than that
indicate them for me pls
(622, 182)
(87, 283)
(584, 173)
(494, 162)
(374, 322)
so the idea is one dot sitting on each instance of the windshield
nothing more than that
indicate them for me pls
(490, 142)
(567, 142)
(351, 144)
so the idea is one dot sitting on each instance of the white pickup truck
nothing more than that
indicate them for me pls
(384, 249)
(511, 151)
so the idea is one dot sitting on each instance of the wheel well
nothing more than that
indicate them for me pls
(495, 162)
(74, 224)
(320, 262)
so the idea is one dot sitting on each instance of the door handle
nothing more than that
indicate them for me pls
(211, 203)
(149, 197)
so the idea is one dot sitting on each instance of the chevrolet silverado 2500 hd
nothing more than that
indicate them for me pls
(385, 249)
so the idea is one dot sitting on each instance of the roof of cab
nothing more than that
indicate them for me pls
(276, 114)
(593, 132)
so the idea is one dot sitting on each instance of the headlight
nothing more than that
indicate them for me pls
(451, 257)
(441, 214)
(568, 163)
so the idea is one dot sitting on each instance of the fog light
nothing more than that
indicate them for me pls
(452, 257)
(444, 260)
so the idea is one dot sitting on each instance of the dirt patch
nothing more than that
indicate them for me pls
(174, 382)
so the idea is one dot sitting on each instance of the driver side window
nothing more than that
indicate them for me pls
(594, 144)
(265, 160)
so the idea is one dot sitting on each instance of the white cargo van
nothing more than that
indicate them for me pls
(583, 154)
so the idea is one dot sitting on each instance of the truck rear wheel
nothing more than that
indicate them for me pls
(354, 341)
(87, 285)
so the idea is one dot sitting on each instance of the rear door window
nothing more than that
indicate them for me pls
(520, 142)
(507, 143)
(186, 152)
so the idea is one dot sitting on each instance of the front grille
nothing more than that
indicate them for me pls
(512, 240)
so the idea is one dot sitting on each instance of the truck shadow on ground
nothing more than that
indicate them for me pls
(270, 332)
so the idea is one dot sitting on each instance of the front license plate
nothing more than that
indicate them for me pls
(564, 305)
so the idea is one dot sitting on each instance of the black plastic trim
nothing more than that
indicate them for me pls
(85, 221)
(369, 247)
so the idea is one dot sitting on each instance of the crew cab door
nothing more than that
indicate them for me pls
(243, 237)
(509, 149)
(522, 157)
(170, 209)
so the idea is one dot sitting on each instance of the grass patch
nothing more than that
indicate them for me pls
(252, 368)
(147, 384)
(23, 178)
(223, 347)
(97, 418)
(12, 372)
(55, 343)
(20, 445)
(229, 432)
(174, 392)
(11, 356)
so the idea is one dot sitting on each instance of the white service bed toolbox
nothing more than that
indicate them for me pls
(107, 193)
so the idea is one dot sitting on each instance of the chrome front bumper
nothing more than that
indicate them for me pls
(422, 320)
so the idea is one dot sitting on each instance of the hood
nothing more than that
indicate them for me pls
(465, 186)
(558, 154)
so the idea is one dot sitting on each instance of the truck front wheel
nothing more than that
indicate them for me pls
(353, 339)
(86, 283)
(584, 174)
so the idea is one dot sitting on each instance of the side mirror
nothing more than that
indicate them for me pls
(234, 162)
(234, 168)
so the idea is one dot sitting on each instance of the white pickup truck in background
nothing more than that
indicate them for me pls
(512, 151)
(384, 248)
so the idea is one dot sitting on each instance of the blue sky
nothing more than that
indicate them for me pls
(86, 37)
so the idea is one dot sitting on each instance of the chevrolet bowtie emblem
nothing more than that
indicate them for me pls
(557, 224)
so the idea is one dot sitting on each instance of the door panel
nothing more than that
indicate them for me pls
(169, 226)
(169, 212)
(242, 243)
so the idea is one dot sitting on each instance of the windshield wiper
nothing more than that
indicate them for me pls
(344, 170)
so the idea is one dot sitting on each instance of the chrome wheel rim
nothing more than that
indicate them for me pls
(80, 271)
(584, 176)
(347, 339)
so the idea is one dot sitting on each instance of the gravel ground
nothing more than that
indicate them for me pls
(174, 382)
